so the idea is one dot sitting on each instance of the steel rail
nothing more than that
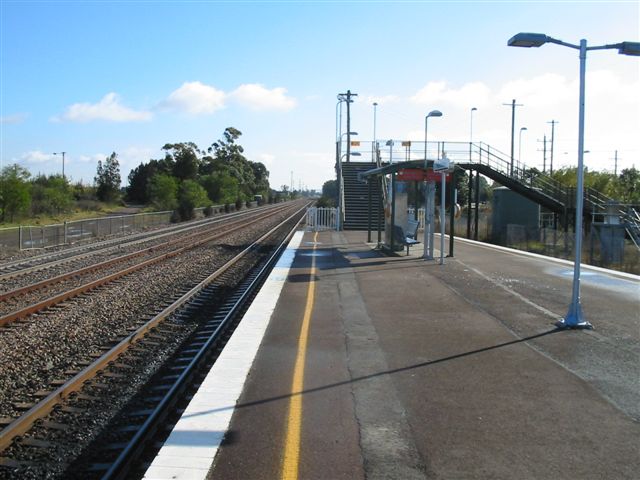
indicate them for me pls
(56, 299)
(106, 263)
(122, 465)
(106, 245)
(23, 423)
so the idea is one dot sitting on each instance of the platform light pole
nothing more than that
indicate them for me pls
(574, 317)
(375, 108)
(473, 109)
(431, 185)
(522, 129)
(63, 154)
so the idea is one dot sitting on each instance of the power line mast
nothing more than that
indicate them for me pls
(553, 124)
(513, 106)
(544, 153)
(347, 96)
(615, 164)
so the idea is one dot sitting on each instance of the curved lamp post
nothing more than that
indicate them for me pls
(574, 317)
(522, 129)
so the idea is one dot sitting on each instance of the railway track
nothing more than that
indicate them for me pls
(54, 258)
(190, 330)
(25, 300)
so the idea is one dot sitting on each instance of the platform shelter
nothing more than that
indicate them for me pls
(397, 180)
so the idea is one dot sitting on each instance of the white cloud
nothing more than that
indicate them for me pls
(434, 93)
(92, 158)
(36, 156)
(257, 97)
(109, 109)
(379, 99)
(195, 98)
(13, 119)
(543, 91)
(266, 158)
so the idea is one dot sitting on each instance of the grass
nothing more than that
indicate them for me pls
(98, 210)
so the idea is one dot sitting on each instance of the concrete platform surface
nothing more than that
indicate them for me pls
(417, 370)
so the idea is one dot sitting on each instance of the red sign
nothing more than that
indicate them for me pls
(419, 175)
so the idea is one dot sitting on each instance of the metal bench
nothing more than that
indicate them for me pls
(408, 238)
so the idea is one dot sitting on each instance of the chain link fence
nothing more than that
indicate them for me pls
(26, 237)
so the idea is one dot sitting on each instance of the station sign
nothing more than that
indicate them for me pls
(419, 175)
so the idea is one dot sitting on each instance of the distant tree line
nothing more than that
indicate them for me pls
(186, 178)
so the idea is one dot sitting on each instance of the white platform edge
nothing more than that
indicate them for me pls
(191, 447)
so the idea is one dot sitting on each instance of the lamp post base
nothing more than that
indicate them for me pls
(574, 320)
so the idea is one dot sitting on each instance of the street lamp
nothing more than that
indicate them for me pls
(522, 129)
(375, 106)
(574, 317)
(432, 113)
(63, 154)
(474, 109)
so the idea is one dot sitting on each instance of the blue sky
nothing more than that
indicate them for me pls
(94, 77)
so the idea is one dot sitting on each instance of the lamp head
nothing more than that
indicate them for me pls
(474, 109)
(434, 113)
(528, 40)
(629, 48)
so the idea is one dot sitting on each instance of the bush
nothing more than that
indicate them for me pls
(208, 211)
(227, 208)
(238, 205)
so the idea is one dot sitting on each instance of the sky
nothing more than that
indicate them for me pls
(94, 77)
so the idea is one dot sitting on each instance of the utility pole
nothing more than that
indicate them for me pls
(615, 165)
(348, 96)
(544, 153)
(513, 105)
(63, 154)
(553, 124)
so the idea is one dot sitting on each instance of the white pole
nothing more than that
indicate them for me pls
(443, 188)
(426, 196)
(574, 318)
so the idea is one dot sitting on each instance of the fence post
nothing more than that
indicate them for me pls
(65, 232)
(20, 237)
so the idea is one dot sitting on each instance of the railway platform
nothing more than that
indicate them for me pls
(392, 367)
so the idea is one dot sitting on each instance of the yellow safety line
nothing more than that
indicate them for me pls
(294, 420)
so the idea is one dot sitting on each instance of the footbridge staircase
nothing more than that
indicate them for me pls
(529, 182)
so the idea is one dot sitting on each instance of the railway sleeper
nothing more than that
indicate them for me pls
(55, 425)
(11, 463)
(35, 442)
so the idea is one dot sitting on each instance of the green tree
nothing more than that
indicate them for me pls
(186, 160)
(221, 187)
(108, 179)
(191, 195)
(163, 192)
(330, 189)
(628, 185)
(15, 192)
(51, 195)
